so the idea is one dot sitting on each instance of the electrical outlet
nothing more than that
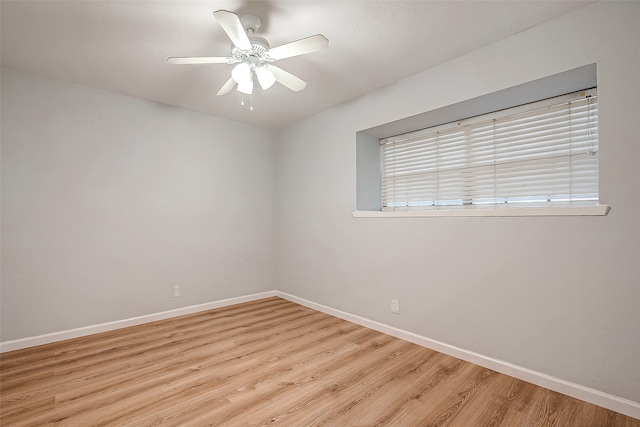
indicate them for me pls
(176, 291)
(395, 307)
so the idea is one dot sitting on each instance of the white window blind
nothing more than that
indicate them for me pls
(539, 154)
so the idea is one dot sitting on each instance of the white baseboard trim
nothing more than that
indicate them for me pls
(118, 324)
(614, 403)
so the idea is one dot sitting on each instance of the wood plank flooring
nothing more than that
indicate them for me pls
(268, 363)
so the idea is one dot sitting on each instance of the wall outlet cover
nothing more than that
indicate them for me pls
(395, 307)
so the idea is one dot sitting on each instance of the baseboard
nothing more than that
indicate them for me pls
(110, 326)
(614, 403)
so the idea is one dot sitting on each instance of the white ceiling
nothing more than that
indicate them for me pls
(122, 46)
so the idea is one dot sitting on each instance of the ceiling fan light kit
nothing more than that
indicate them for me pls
(254, 56)
(265, 77)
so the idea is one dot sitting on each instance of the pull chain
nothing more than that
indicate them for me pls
(242, 101)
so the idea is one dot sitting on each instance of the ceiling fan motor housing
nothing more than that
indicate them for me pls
(259, 48)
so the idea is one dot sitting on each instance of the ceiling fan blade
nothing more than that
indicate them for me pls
(299, 47)
(231, 25)
(200, 60)
(226, 88)
(286, 79)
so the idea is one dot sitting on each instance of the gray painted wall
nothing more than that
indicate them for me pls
(109, 201)
(556, 295)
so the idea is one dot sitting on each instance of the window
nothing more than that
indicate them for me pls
(541, 154)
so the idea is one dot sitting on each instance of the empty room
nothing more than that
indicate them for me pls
(320, 213)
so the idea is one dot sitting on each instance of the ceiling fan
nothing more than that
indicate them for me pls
(254, 56)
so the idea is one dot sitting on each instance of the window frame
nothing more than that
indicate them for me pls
(367, 200)
(599, 210)
(531, 155)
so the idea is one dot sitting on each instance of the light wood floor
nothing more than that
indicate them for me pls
(263, 363)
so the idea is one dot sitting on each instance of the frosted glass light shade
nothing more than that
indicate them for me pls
(246, 87)
(241, 73)
(265, 77)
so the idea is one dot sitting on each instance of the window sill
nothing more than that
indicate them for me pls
(600, 210)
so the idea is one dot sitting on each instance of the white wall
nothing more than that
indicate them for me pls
(109, 201)
(553, 294)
